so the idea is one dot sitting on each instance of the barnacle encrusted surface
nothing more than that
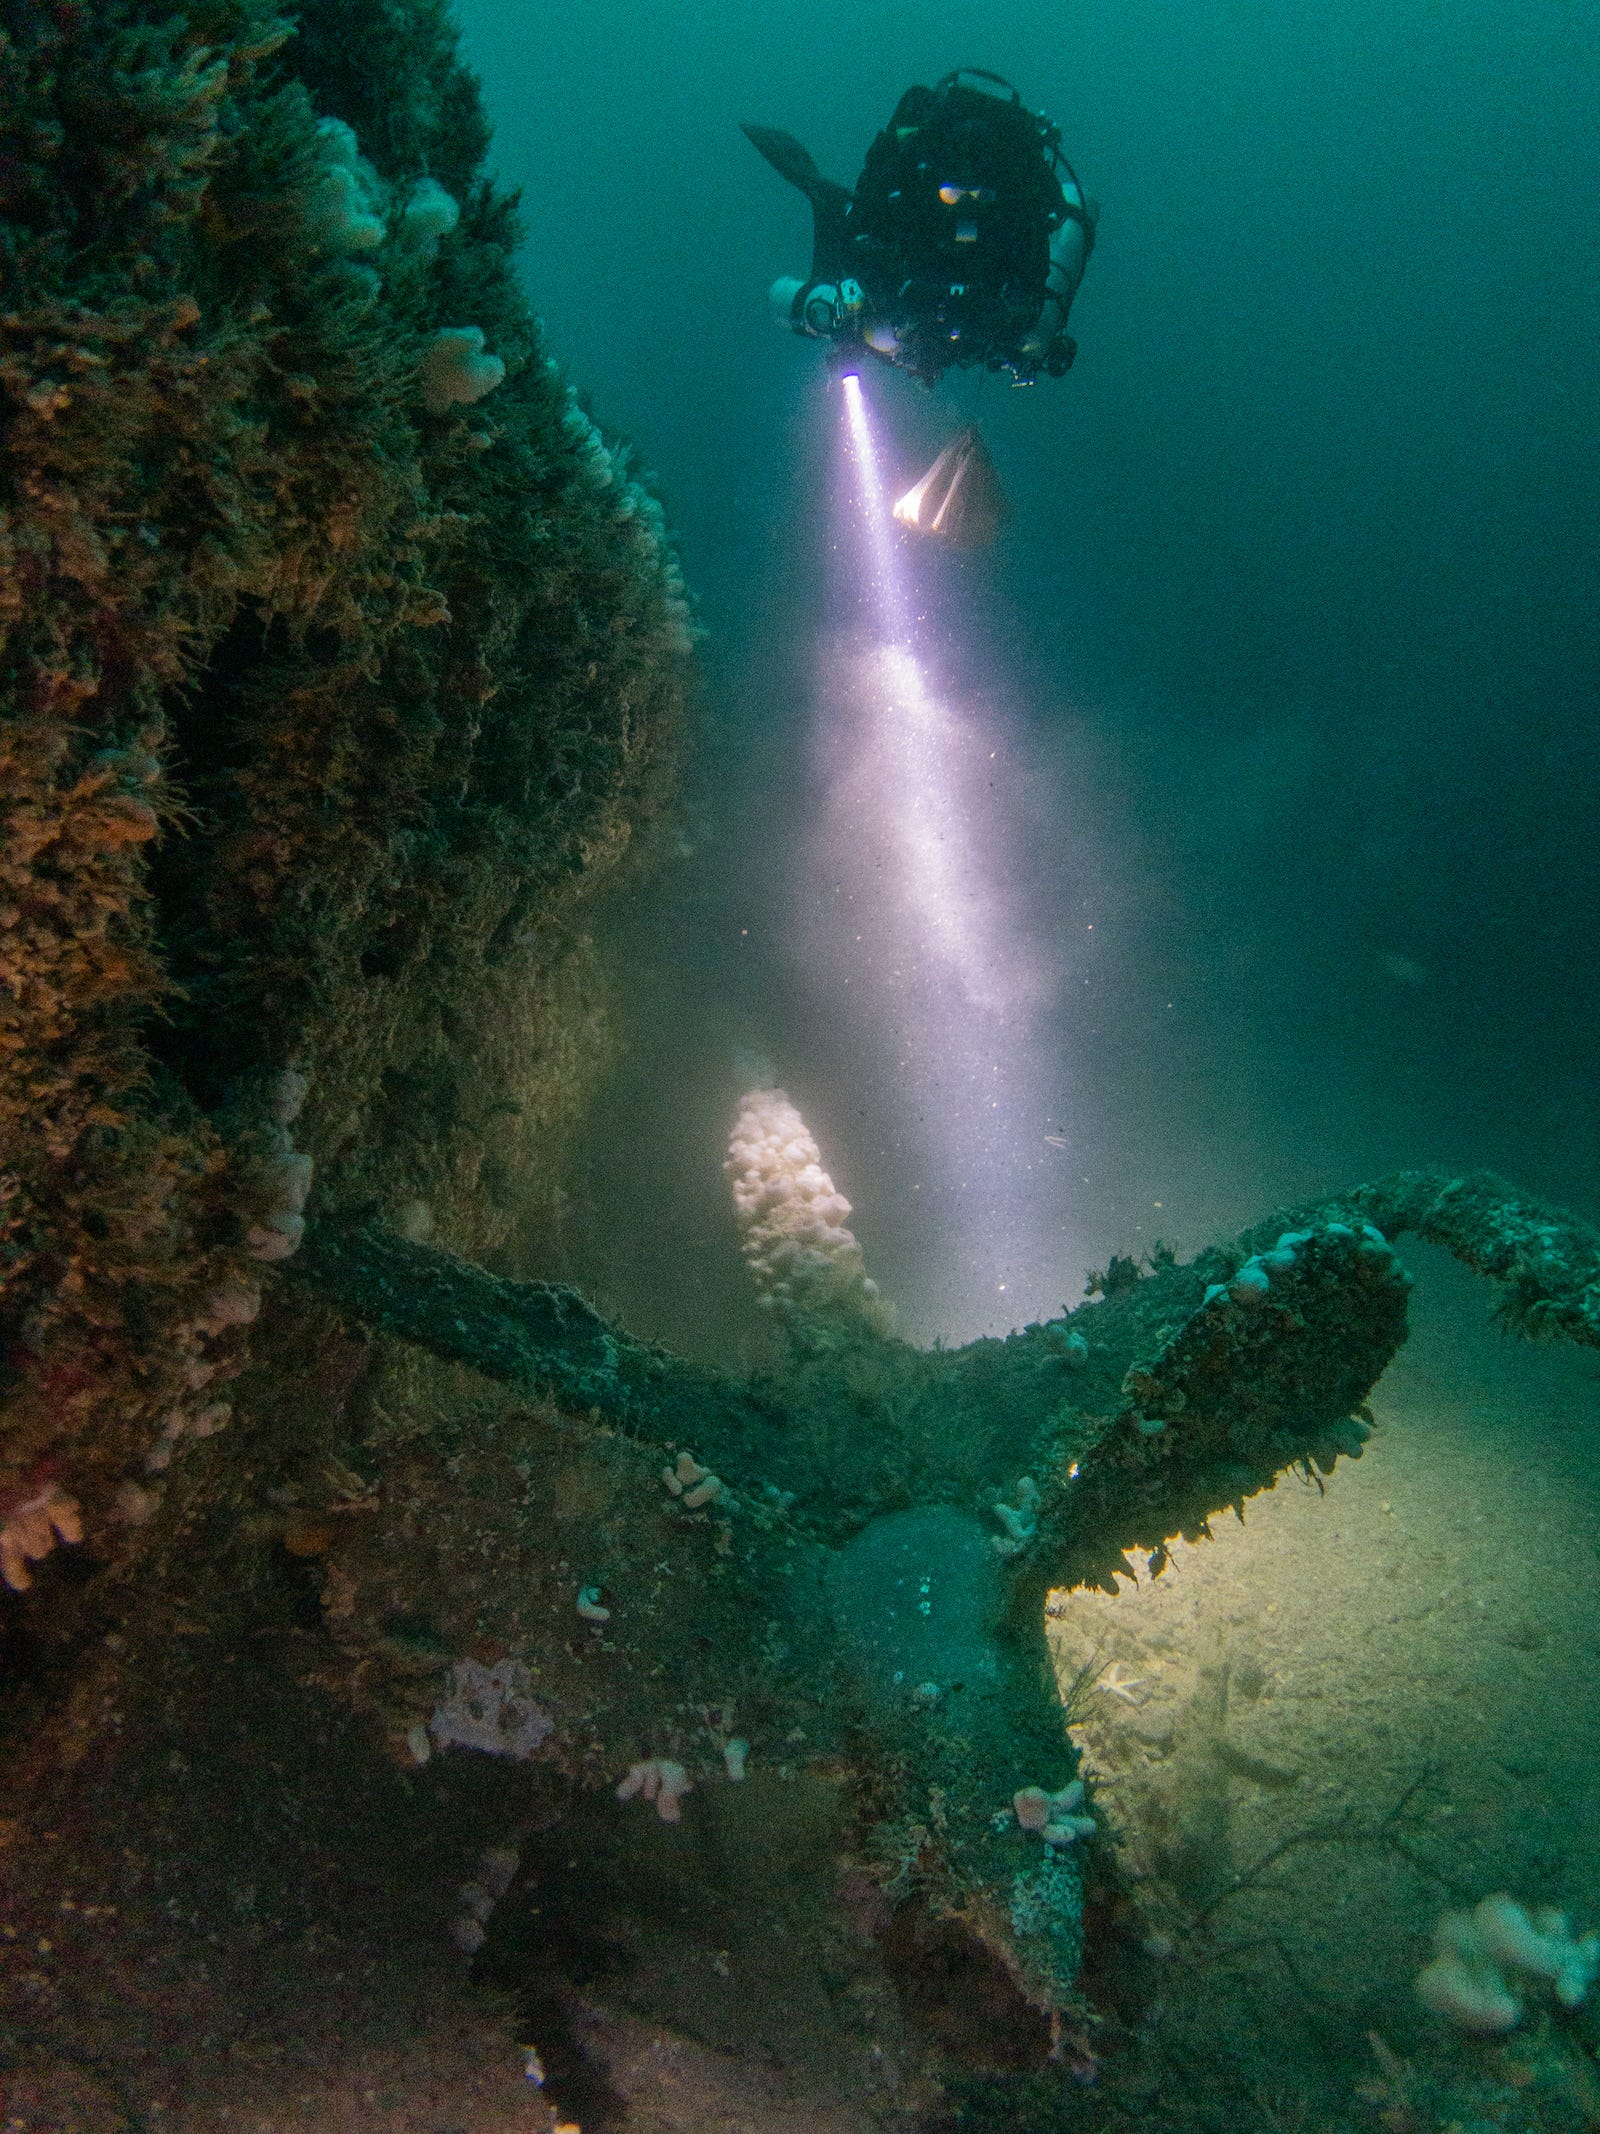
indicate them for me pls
(321, 710)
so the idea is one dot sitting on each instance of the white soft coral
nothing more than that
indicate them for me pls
(805, 1259)
(344, 204)
(1467, 1981)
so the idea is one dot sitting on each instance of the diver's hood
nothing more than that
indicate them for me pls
(959, 501)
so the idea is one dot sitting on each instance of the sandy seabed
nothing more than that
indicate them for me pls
(1361, 1706)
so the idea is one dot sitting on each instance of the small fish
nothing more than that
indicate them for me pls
(1056, 1141)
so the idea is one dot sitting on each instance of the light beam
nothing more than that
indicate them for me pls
(918, 920)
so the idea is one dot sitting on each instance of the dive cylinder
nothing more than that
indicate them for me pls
(819, 309)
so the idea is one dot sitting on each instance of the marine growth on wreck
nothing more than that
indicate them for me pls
(368, 1590)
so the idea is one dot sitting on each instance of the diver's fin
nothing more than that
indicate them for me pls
(791, 159)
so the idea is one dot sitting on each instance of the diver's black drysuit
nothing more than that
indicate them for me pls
(963, 242)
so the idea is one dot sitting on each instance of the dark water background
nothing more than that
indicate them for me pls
(1297, 615)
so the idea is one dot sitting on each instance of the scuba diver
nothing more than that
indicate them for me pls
(963, 242)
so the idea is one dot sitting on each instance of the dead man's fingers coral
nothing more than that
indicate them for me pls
(31, 1530)
(660, 1780)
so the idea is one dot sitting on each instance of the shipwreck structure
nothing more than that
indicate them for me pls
(343, 664)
